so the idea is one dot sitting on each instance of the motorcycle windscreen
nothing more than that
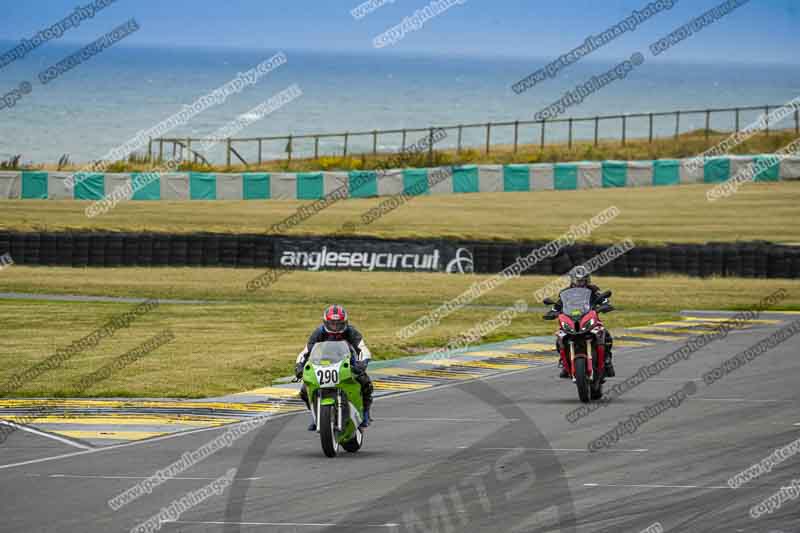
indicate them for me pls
(330, 352)
(576, 301)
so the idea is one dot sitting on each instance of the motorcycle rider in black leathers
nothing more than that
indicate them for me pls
(584, 280)
(335, 327)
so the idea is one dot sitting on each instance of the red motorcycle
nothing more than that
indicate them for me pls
(581, 339)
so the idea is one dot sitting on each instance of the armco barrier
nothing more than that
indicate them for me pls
(732, 259)
(488, 178)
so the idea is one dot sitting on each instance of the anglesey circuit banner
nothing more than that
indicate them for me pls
(371, 255)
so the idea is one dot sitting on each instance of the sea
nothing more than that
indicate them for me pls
(104, 102)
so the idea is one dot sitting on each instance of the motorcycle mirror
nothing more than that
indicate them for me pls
(604, 295)
(605, 308)
(548, 301)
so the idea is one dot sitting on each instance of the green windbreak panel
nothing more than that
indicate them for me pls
(769, 174)
(565, 177)
(146, 186)
(615, 174)
(516, 178)
(89, 186)
(256, 186)
(34, 185)
(202, 186)
(717, 170)
(666, 172)
(415, 181)
(465, 178)
(362, 184)
(310, 186)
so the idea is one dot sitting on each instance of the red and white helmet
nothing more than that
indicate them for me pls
(335, 319)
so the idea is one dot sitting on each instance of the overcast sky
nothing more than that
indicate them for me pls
(761, 31)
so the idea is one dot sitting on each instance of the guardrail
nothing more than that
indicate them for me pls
(182, 147)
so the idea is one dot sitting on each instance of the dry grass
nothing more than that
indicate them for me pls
(244, 340)
(687, 144)
(763, 211)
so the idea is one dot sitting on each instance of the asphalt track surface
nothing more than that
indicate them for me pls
(494, 454)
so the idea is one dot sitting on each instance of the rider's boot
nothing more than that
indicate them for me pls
(313, 425)
(365, 423)
(564, 372)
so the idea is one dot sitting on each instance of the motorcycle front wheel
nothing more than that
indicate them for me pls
(327, 430)
(581, 379)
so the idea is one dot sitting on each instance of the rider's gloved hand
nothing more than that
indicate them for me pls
(359, 367)
(550, 315)
(298, 369)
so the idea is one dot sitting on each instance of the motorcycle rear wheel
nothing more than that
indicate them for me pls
(354, 444)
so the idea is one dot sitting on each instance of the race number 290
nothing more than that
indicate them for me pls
(327, 376)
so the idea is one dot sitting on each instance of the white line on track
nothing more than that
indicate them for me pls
(644, 486)
(409, 419)
(92, 476)
(47, 435)
(635, 450)
(745, 400)
(274, 417)
(285, 524)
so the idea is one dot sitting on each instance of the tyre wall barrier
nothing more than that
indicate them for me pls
(726, 259)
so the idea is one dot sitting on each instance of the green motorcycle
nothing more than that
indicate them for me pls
(335, 397)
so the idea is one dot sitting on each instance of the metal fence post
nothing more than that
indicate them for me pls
(624, 129)
(150, 149)
(737, 120)
(766, 120)
(708, 123)
(677, 124)
(797, 122)
(430, 146)
(316, 147)
(346, 135)
(289, 150)
(596, 129)
(460, 129)
(541, 141)
(516, 135)
(374, 142)
(188, 148)
(488, 135)
(259, 151)
(228, 152)
(403, 146)
(569, 142)
(651, 128)
(160, 150)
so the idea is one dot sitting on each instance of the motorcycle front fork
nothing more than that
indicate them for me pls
(588, 359)
(339, 398)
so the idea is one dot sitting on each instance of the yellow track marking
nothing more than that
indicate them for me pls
(133, 404)
(495, 366)
(122, 420)
(274, 392)
(632, 344)
(109, 434)
(533, 346)
(391, 385)
(652, 336)
(720, 320)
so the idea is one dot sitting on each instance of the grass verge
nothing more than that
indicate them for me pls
(655, 215)
(240, 340)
